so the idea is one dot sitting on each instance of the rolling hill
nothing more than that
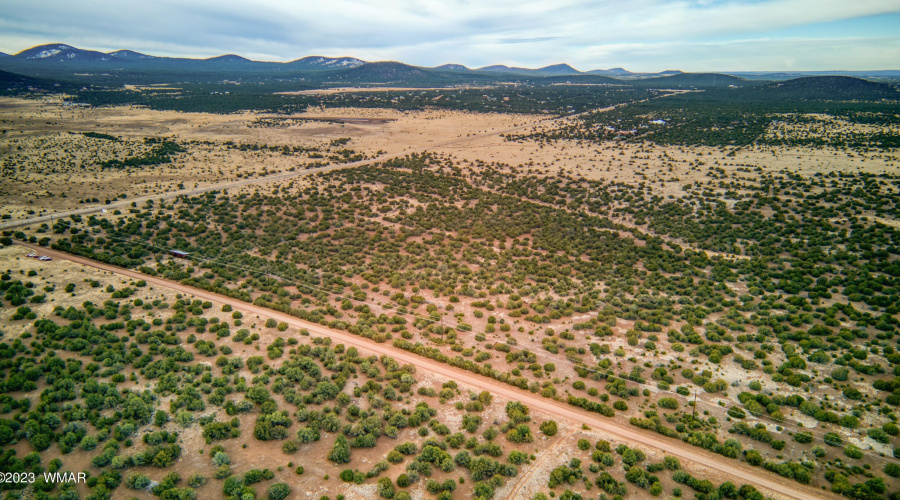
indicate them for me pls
(314, 63)
(451, 67)
(555, 69)
(58, 59)
(610, 72)
(61, 53)
(383, 72)
(13, 84)
(61, 62)
(837, 88)
(693, 80)
(129, 55)
(228, 58)
(8, 80)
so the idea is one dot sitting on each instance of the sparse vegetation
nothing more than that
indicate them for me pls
(750, 311)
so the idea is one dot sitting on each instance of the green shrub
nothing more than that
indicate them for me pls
(892, 469)
(853, 452)
(278, 491)
(549, 428)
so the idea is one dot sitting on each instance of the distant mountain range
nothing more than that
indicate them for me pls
(553, 70)
(61, 62)
(61, 56)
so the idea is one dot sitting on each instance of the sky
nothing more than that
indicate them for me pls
(639, 35)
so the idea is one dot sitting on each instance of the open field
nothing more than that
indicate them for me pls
(647, 274)
(48, 144)
(597, 428)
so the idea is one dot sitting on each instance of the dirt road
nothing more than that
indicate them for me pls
(737, 472)
(458, 142)
(186, 192)
(120, 204)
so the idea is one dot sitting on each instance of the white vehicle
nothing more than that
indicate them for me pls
(44, 258)
(31, 255)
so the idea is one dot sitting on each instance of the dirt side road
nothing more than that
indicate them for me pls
(452, 143)
(739, 472)
(121, 204)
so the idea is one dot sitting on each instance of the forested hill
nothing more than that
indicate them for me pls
(838, 88)
(15, 84)
(802, 93)
(695, 80)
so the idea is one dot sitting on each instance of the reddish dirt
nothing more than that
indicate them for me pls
(738, 472)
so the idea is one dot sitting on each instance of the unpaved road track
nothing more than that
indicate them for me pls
(457, 142)
(187, 192)
(737, 472)
(258, 180)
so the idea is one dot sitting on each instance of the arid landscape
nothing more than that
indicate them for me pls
(384, 281)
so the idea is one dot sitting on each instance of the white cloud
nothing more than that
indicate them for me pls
(850, 54)
(588, 34)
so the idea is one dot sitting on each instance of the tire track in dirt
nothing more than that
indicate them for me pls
(537, 465)
(737, 472)
(456, 142)
(249, 182)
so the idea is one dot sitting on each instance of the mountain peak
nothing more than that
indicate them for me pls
(611, 72)
(322, 62)
(64, 57)
(383, 71)
(60, 53)
(451, 67)
(552, 70)
(45, 51)
(228, 58)
(558, 69)
(495, 67)
(129, 54)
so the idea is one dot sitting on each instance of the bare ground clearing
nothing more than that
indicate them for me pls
(50, 167)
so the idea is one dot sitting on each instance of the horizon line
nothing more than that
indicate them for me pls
(200, 58)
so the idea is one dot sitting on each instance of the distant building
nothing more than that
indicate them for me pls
(179, 254)
(658, 122)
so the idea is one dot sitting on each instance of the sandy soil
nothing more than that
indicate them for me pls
(736, 471)
(246, 452)
(42, 131)
(49, 167)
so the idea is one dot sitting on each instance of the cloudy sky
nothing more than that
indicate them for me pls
(640, 35)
